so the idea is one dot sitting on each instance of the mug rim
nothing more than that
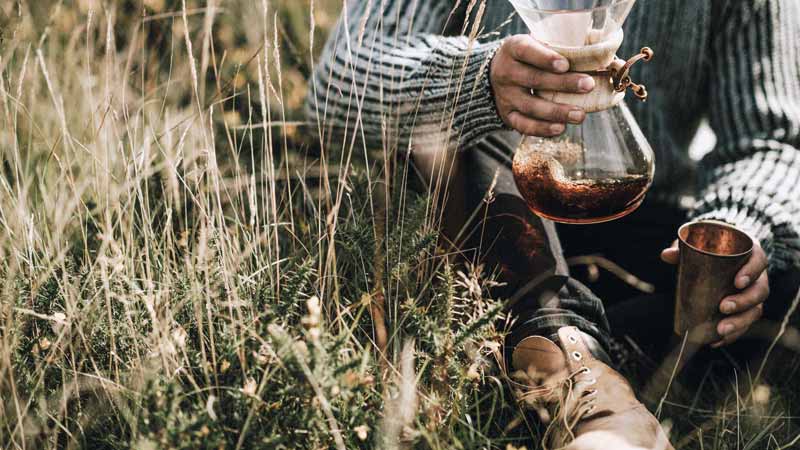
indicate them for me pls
(720, 224)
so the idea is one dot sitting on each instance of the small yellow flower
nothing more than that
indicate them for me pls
(762, 394)
(351, 378)
(250, 387)
(313, 305)
(314, 317)
(361, 432)
(262, 355)
(59, 319)
(472, 373)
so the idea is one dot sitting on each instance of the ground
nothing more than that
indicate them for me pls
(187, 266)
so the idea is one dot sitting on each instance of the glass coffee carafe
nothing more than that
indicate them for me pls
(601, 169)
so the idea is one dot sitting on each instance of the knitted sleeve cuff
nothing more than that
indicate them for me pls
(478, 115)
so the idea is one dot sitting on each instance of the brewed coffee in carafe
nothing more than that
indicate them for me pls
(601, 169)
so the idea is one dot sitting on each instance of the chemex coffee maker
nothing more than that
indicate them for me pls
(601, 169)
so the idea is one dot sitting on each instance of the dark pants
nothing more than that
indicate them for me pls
(531, 254)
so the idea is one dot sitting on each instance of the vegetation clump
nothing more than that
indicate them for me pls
(185, 266)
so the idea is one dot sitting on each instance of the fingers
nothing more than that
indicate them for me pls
(538, 108)
(671, 255)
(754, 267)
(530, 77)
(732, 328)
(523, 64)
(746, 306)
(747, 299)
(526, 49)
(534, 127)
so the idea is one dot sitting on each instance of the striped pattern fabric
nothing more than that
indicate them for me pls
(403, 73)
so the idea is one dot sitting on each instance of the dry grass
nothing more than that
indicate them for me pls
(183, 271)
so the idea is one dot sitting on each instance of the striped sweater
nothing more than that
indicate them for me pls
(414, 73)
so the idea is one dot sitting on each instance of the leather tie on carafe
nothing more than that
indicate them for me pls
(619, 71)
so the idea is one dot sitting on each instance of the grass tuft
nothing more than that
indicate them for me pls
(185, 268)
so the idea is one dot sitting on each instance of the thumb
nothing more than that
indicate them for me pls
(670, 255)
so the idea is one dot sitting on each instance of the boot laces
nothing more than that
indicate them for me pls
(580, 392)
(578, 398)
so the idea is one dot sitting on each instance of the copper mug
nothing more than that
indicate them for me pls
(711, 254)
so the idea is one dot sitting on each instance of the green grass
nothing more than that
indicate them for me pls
(185, 266)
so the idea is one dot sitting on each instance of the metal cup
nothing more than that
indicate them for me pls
(711, 254)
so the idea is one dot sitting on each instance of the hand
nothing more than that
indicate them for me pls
(522, 63)
(743, 308)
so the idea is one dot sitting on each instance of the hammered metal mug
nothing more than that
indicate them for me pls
(711, 254)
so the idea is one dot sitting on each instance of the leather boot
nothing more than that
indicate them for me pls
(586, 403)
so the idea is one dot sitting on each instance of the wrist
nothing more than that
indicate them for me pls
(488, 85)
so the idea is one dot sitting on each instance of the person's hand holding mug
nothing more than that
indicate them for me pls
(522, 64)
(745, 307)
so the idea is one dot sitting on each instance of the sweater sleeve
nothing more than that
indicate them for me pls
(752, 178)
(388, 75)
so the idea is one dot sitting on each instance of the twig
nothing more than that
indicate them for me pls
(677, 362)
(778, 336)
(377, 303)
(377, 310)
(614, 268)
(672, 376)
(326, 407)
(402, 408)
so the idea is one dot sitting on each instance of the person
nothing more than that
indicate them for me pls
(452, 84)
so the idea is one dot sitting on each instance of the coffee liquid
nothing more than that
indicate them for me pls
(541, 180)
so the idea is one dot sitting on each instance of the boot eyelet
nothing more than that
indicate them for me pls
(577, 356)
(572, 339)
(586, 370)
